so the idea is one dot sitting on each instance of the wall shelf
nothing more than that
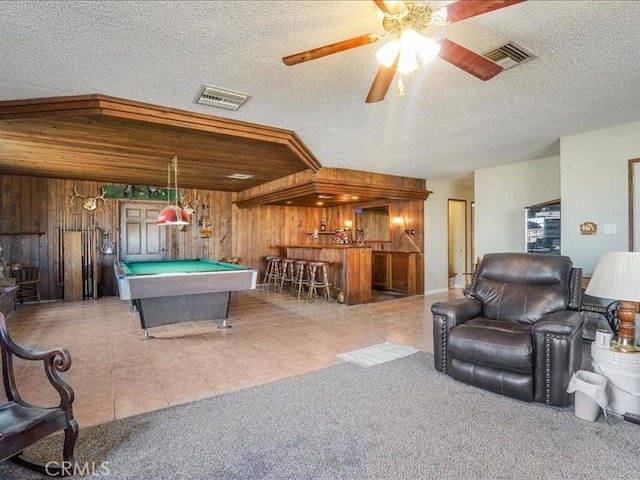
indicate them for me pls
(21, 233)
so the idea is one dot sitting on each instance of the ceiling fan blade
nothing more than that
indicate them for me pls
(463, 9)
(390, 6)
(469, 61)
(382, 82)
(330, 49)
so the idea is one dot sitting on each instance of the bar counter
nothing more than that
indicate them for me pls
(349, 267)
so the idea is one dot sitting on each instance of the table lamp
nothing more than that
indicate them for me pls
(617, 277)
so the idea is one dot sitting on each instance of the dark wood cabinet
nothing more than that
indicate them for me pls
(394, 271)
(380, 270)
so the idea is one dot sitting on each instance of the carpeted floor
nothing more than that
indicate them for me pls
(397, 420)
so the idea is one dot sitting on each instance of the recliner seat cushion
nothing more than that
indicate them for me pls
(500, 345)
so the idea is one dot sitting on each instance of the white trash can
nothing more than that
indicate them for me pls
(590, 394)
(586, 407)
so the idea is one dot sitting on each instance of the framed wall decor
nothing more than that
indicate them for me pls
(634, 205)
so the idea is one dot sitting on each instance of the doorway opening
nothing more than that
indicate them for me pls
(458, 259)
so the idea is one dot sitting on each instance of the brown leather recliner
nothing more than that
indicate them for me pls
(519, 333)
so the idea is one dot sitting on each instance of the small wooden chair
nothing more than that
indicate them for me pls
(23, 424)
(28, 281)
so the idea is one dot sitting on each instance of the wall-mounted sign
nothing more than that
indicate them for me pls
(140, 192)
(589, 228)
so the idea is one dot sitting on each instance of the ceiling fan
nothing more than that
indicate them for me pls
(403, 21)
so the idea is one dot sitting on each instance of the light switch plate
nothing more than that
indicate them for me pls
(609, 229)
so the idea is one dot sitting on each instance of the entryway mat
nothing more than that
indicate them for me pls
(376, 354)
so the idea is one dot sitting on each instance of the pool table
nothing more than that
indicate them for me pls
(172, 291)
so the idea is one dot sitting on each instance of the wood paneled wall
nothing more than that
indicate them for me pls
(33, 209)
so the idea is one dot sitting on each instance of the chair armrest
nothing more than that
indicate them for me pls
(447, 315)
(55, 361)
(557, 344)
(457, 311)
(564, 322)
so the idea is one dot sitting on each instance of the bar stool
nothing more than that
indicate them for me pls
(272, 273)
(300, 277)
(318, 278)
(287, 272)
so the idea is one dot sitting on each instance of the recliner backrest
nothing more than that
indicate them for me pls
(522, 287)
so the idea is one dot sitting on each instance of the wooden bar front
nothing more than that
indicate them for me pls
(349, 269)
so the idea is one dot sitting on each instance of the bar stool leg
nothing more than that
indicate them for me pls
(327, 286)
(301, 281)
(287, 273)
(312, 283)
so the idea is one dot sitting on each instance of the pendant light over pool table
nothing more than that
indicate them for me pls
(172, 214)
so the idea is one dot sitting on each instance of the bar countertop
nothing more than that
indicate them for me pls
(337, 245)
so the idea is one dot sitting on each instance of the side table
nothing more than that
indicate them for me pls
(8, 300)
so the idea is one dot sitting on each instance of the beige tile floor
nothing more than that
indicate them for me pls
(115, 373)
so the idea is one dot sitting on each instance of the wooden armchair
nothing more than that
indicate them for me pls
(22, 424)
(28, 281)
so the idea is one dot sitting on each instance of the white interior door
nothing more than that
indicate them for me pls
(140, 237)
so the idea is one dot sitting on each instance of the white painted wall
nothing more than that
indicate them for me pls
(590, 176)
(501, 195)
(436, 224)
(594, 172)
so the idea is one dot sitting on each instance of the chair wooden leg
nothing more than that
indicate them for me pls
(53, 468)
(70, 437)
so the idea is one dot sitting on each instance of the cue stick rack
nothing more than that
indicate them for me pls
(77, 259)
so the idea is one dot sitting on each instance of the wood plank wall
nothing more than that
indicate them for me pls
(32, 205)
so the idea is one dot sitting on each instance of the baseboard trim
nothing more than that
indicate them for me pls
(437, 290)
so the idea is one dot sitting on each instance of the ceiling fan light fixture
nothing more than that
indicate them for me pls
(386, 55)
(407, 62)
(426, 48)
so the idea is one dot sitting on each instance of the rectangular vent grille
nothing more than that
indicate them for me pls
(509, 55)
(219, 97)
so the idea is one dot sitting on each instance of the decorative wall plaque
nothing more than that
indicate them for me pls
(139, 192)
(589, 228)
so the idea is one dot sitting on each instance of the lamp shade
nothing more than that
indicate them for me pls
(617, 276)
(387, 54)
(172, 215)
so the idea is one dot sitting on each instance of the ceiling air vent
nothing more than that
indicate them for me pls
(219, 97)
(509, 55)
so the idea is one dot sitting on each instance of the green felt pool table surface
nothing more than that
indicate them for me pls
(177, 266)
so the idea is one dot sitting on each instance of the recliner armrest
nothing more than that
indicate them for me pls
(457, 311)
(564, 322)
(557, 343)
(447, 315)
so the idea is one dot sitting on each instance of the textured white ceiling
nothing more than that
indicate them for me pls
(449, 123)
